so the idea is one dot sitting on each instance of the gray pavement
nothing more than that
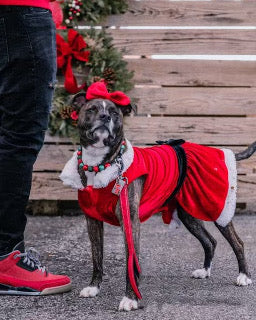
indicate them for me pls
(167, 260)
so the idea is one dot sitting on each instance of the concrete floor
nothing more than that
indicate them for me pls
(167, 260)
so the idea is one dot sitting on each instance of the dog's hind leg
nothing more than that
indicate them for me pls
(197, 228)
(95, 232)
(237, 245)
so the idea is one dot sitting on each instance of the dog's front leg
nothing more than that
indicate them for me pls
(95, 232)
(130, 301)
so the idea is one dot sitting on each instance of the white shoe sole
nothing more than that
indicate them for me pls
(26, 292)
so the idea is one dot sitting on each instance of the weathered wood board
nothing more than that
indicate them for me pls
(210, 130)
(194, 73)
(148, 42)
(186, 13)
(188, 101)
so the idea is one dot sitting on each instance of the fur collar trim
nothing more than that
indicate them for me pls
(71, 177)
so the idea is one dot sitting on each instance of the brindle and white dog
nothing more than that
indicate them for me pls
(100, 126)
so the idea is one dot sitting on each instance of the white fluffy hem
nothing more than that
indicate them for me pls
(230, 203)
(71, 177)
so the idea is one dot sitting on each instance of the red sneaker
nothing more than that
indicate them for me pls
(22, 274)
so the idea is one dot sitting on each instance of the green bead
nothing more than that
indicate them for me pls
(101, 167)
(79, 157)
(90, 169)
(79, 148)
(81, 165)
(122, 147)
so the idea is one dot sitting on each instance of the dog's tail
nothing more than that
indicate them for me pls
(246, 153)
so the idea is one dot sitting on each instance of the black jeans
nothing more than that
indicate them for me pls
(27, 79)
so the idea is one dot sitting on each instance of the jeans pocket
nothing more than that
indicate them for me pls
(3, 45)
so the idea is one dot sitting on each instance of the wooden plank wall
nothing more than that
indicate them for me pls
(195, 78)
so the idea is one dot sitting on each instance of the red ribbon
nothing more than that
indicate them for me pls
(98, 90)
(66, 51)
(133, 263)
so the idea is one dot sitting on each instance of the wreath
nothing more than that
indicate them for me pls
(84, 57)
(90, 11)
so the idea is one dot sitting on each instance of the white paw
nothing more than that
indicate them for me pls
(127, 304)
(89, 292)
(243, 280)
(201, 273)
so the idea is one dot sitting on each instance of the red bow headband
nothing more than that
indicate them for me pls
(98, 90)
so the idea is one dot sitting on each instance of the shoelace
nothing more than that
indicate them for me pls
(31, 258)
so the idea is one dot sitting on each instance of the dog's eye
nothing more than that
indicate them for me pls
(90, 110)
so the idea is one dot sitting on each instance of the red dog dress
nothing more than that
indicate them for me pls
(207, 193)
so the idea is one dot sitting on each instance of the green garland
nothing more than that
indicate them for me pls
(91, 11)
(105, 62)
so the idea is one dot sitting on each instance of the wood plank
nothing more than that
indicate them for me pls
(188, 73)
(195, 101)
(211, 13)
(210, 131)
(194, 73)
(148, 42)
(47, 186)
(53, 158)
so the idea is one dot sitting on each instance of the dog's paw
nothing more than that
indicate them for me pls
(89, 292)
(127, 304)
(243, 280)
(201, 273)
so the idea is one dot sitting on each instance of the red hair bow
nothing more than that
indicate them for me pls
(98, 90)
(66, 51)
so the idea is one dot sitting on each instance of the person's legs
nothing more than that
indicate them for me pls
(27, 77)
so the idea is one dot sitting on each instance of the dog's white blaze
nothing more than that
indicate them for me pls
(89, 292)
(201, 273)
(127, 304)
(243, 280)
(104, 106)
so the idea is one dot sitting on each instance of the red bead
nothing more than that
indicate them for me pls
(107, 165)
(123, 143)
(80, 161)
(96, 169)
(85, 167)
(79, 153)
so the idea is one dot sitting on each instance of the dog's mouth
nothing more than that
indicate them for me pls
(100, 136)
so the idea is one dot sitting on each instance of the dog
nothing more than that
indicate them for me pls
(103, 163)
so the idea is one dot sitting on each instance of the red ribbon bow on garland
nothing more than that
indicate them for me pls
(66, 51)
(98, 90)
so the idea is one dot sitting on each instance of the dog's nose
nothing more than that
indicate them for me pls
(104, 117)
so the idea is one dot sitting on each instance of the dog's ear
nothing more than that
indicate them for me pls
(78, 101)
(128, 109)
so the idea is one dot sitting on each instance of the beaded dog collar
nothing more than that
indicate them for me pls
(101, 166)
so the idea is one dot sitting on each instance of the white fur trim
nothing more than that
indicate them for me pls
(230, 203)
(71, 177)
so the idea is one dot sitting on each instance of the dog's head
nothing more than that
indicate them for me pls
(100, 121)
